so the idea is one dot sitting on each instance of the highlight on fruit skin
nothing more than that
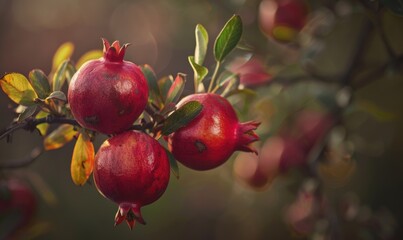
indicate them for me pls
(132, 170)
(211, 138)
(108, 94)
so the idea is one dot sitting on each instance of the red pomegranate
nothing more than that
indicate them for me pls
(282, 19)
(108, 94)
(211, 138)
(131, 169)
(17, 207)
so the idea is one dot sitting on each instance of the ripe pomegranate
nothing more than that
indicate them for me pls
(17, 207)
(211, 138)
(131, 169)
(108, 94)
(282, 19)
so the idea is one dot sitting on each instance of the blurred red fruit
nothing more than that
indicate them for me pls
(311, 127)
(282, 19)
(251, 73)
(17, 207)
(304, 212)
(247, 170)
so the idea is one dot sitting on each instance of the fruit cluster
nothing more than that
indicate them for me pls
(132, 168)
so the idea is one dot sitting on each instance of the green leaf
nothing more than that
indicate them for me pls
(28, 112)
(150, 77)
(82, 162)
(59, 95)
(164, 84)
(199, 71)
(228, 38)
(173, 163)
(59, 137)
(176, 89)
(62, 54)
(70, 71)
(201, 44)
(40, 83)
(245, 91)
(18, 89)
(43, 127)
(181, 117)
(152, 83)
(60, 76)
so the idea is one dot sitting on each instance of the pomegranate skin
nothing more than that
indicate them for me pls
(108, 94)
(132, 170)
(17, 201)
(211, 138)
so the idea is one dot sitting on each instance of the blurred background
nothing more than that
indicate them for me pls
(367, 196)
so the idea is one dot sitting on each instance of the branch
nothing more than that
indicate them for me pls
(378, 72)
(31, 123)
(358, 52)
(25, 161)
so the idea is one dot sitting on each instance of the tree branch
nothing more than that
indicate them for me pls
(22, 162)
(31, 123)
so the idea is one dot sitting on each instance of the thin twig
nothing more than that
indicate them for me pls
(213, 78)
(30, 124)
(377, 73)
(22, 162)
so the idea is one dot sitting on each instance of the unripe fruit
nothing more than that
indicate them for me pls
(131, 169)
(108, 94)
(282, 19)
(211, 138)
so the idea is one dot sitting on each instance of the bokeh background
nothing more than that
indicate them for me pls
(200, 205)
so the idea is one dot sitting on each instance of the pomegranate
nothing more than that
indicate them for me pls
(211, 138)
(131, 169)
(17, 207)
(282, 19)
(108, 94)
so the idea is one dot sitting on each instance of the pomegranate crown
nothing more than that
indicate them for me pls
(114, 52)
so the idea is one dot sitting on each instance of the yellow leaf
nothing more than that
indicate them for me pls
(90, 55)
(59, 137)
(62, 53)
(18, 89)
(43, 127)
(82, 161)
